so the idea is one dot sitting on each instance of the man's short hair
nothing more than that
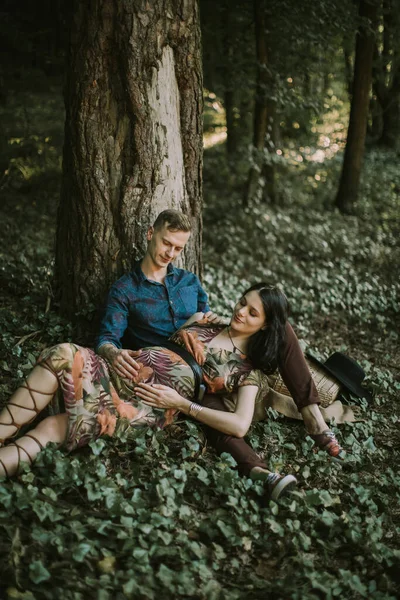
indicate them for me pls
(173, 220)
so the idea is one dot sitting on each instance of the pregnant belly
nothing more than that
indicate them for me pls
(157, 365)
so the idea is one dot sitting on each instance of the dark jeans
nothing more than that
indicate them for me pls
(244, 455)
(295, 372)
(297, 378)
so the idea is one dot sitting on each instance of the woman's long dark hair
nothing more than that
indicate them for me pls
(265, 347)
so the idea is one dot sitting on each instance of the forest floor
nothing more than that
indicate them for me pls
(158, 513)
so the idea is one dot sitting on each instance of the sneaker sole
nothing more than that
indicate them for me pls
(283, 486)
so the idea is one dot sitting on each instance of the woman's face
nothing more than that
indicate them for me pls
(248, 315)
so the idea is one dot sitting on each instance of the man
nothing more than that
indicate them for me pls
(147, 305)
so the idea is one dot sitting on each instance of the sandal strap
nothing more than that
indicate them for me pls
(29, 435)
(13, 421)
(33, 409)
(4, 467)
(48, 367)
(19, 448)
(327, 441)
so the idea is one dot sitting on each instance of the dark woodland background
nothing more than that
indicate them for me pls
(301, 186)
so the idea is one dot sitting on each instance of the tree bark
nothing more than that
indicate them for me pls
(229, 93)
(264, 115)
(391, 114)
(133, 139)
(231, 129)
(354, 152)
(348, 69)
(260, 108)
(389, 82)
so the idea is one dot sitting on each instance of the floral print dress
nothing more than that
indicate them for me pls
(99, 402)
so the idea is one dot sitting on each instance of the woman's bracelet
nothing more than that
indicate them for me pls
(194, 409)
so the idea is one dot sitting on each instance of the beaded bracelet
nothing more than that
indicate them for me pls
(194, 409)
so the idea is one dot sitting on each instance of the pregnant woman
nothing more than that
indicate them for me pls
(98, 402)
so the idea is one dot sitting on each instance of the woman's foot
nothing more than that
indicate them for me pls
(276, 485)
(27, 401)
(314, 422)
(327, 441)
(279, 485)
(26, 448)
(23, 450)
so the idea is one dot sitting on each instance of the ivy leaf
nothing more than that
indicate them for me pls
(166, 576)
(97, 446)
(318, 497)
(81, 551)
(369, 444)
(38, 572)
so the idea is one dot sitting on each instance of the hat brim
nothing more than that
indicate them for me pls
(350, 385)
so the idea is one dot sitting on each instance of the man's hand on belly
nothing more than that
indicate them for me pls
(122, 361)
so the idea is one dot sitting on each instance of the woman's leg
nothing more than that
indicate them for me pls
(247, 460)
(26, 448)
(249, 463)
(297, 378)
(27, 401)
(314, 422)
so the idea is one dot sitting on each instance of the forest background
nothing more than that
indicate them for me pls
(291, 195)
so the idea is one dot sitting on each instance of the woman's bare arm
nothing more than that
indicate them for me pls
(236, 423)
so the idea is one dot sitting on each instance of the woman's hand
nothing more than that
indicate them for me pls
(213, 318)
(210, 317)
(160, 396)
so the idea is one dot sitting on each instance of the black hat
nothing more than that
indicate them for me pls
(347, 371)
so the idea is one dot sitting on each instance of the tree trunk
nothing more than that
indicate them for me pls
(391, 114)
(231, 129)
(229, 93)
(386, 78)
(262, 174)
(390, 60)
(378, 95)
(133, 139)
(348, 69)
(351, 171)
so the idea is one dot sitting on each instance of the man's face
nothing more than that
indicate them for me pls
(165, 245)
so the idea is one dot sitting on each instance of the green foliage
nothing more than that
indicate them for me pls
(156, 513)
(304, 57)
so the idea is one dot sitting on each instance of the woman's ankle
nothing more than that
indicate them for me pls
(314, 422)
(259, 473)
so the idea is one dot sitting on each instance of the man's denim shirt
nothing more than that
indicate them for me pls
(141, 312)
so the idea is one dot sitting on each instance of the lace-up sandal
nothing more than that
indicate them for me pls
(35, 409)
(19, 448)
(279, 485)
(327, 441)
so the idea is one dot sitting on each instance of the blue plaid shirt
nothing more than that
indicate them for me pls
(142, 313)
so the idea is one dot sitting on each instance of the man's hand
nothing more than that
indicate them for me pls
(214, 318)
(122, 361)
(160, 396)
